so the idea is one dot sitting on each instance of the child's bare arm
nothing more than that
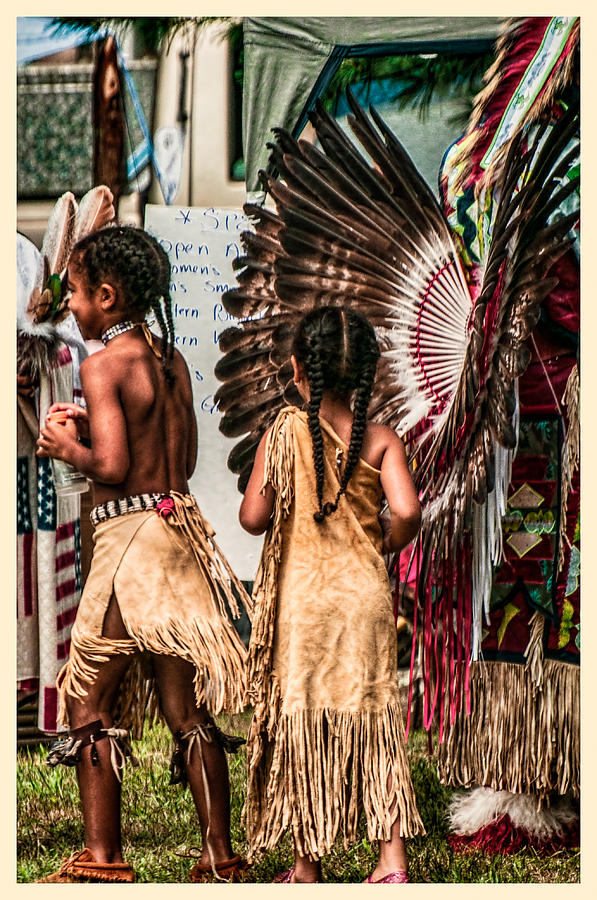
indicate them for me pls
(401, 495)
(107, 460)
(257, 505)
(192, 446)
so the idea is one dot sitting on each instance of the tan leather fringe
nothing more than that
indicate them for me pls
(516, 738)
(209, 650)
(534, 651)
(262, 693)
(213, 563)
(570, 453)
(279, 471)
(327, 767)
(138, 703)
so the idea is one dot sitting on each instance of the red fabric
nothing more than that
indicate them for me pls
(66, 618)
(534, 392)
(517, 634)
(65, 560)
(62, 649)
(413, 651)
(65, 530)
(502, 837)
(562, 303)
(50, 709)
(407, 575)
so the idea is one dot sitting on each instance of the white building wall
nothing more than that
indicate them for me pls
(195, 156)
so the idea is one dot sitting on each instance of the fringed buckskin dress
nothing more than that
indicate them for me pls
(327, 739)
(173, 587)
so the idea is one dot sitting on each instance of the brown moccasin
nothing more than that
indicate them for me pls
(227, 870)
(82, 867)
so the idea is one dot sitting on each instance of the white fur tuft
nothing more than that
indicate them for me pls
(470, 812)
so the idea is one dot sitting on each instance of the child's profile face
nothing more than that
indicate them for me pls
(84, 305)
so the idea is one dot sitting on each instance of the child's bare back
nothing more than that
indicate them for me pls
(143, 428)
(139, 416)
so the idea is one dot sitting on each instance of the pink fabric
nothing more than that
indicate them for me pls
(392, 878)
(284, 877)
(408, 575)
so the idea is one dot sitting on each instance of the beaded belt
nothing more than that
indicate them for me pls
(111, 509)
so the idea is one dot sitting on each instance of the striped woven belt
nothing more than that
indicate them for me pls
(111, 509)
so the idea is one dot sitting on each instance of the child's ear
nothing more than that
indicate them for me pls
(298, 370)
(107, 296)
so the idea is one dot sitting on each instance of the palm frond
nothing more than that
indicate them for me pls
(154, 31)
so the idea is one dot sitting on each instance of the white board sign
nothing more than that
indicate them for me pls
(202, 244)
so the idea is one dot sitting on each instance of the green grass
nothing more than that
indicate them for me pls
(159, 823)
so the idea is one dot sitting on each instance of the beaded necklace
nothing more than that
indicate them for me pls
(120, 328)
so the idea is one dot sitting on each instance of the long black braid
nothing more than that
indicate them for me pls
(140, 267)
(314, 368)
(339, 351)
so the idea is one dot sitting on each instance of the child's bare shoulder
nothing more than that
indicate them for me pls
(382, 435)
(384, 444)
(181, 371)
(180, 361)
(103, 362)
(93, 364)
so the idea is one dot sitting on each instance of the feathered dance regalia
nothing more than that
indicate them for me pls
(49, 350)
(521, 739)
(359, 227)
(44, 307)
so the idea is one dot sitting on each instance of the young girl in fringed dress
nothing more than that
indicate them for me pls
(327, 739)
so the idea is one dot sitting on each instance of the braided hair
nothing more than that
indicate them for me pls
(139, 267)
(339, 352)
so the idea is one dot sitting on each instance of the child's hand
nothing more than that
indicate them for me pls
(56, 437)
(70, 413)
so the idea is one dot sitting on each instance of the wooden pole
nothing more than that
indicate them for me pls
(108, 121)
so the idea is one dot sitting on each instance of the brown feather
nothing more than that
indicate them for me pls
(235, 338)
(247, 416)
(238, 363)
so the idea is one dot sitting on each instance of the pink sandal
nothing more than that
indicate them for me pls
(284, 877)
(393, 878)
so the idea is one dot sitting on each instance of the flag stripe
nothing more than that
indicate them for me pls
(66, 618)
(62, 649)
(65, 560)
(50, 708)
(67, 589)
(65, 531)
